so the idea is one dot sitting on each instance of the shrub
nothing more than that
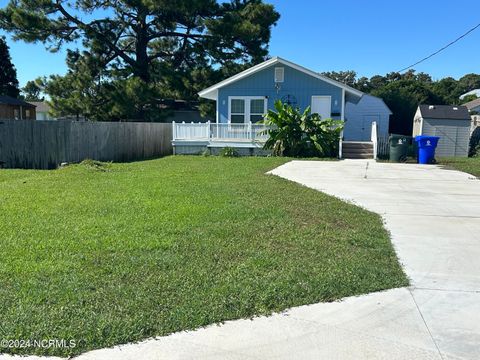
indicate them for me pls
(474, 146)
(228, 152)
(476, 151)
(298, 134)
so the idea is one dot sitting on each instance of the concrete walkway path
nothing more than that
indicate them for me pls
(434, 218)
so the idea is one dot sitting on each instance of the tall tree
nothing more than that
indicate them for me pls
(403, 92)
(8, 74)
(147, 45)
(32, 91)
(403, 97)
(348, 77)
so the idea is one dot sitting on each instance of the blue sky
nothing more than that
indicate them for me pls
(370, 37)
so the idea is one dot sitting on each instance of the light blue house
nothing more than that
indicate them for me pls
(243, 99)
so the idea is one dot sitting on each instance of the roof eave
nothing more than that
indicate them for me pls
(210, 94)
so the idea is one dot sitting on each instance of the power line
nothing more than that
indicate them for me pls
(440, 50)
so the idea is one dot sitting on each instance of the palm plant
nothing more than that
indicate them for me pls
(297, 134)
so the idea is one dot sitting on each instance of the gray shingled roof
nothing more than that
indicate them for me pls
(8, 100)
(444, 112)
(472, 104)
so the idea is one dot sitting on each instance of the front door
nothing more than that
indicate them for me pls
(366, 129)
(322, 105)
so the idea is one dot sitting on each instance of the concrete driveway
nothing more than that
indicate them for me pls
(434, 218)
(433, 215)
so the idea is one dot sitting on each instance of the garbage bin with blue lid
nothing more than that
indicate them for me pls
(426, 148)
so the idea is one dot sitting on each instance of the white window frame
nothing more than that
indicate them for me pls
(281, 70)
(247, 106)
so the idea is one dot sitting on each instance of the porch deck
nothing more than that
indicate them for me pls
(195, 138)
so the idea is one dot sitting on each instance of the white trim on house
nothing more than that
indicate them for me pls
(212, 91)
(247, 113)
(343, 106)
(322, 97)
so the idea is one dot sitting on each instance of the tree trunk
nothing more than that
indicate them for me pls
(141, 48)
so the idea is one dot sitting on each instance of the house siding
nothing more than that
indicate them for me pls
(296, 83)
(358, 118)
(454, 136)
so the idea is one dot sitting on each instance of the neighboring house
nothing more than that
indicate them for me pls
(450, 123)
(243, 99)
(15, 109)
(182, 110)
(475, 92)
(43, 110)
(473, 106)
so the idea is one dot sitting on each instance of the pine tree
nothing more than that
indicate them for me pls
(8, 74)
(137, 52)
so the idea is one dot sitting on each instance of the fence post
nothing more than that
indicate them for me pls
(340, 145)
(374, 139)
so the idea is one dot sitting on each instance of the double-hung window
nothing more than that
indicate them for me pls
(237, 110)
(244, 109)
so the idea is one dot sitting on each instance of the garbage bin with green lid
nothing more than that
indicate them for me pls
(399, 147)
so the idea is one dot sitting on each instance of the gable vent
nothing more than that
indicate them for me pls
(279, 74)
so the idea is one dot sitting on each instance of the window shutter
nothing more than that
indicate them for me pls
(279, 74)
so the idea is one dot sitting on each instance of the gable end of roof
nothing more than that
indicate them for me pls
(211, 92)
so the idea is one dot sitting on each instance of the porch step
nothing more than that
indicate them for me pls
(357, 150)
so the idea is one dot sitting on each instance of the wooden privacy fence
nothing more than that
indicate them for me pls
(46, 144)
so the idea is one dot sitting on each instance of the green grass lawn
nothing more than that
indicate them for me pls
(105, 256)
(468, 165)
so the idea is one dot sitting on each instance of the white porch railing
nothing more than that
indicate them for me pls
(374, 139)
(219, 132)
